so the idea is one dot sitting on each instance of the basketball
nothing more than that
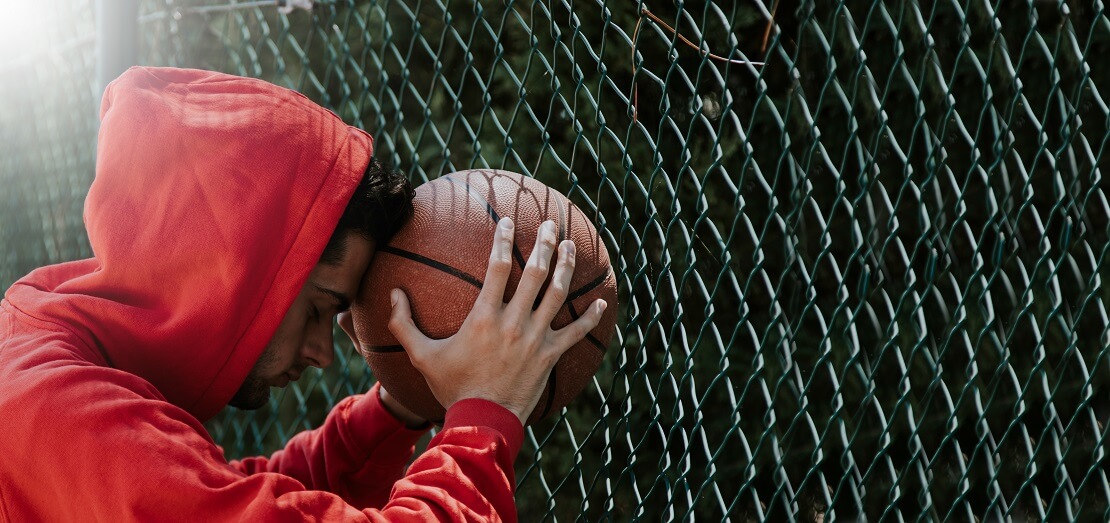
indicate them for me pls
(439, 259)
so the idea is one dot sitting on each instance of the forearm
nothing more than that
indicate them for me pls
(466, 474)
(358, 453)
(467, 471)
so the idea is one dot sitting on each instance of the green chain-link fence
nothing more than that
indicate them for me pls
(47, 135)
(863, 279)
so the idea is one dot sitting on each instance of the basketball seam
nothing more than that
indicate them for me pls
(589, 286)
(563, 222)
(589, 337)
(489, 211)
(435, 264)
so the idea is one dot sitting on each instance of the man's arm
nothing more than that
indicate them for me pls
(119, 454)
(358, 453)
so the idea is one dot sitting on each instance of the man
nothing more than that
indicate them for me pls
(231, 220)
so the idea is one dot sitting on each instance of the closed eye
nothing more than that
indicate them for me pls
(340, 301)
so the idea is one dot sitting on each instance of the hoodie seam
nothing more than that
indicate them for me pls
(17, 314)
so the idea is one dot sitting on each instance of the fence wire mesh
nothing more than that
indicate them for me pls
(862, 279)
(47, 137)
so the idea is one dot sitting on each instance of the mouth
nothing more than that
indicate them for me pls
(283, 380)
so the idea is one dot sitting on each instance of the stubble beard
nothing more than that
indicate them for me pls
(254, 393)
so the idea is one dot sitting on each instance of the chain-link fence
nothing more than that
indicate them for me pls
(47, 135)
(864, 278)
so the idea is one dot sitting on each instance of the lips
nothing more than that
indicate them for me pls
(284, 379)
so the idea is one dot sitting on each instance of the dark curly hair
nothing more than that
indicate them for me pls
(381, 204)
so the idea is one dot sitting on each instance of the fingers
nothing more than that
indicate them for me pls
(500, 265)
(401, 324)
(535, 271)
(559, 287)
(573, 333)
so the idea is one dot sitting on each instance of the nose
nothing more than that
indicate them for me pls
(346, 322)
(319, 350)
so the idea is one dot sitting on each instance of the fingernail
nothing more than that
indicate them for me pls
(393, 298)
(601, 304)
(568, 249)
(506, 223)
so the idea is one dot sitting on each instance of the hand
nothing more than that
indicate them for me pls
(504, 352)
(394, 407)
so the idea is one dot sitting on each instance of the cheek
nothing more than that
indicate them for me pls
(324, 327)
(285, 346)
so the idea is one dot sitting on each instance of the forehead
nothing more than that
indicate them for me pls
(346, 275)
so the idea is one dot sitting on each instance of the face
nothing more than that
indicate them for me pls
(304, 337)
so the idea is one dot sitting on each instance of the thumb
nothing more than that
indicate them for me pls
(401, 324)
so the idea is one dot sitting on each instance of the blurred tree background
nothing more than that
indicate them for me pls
(863, 278)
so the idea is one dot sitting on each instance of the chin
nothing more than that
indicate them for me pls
(251, 400)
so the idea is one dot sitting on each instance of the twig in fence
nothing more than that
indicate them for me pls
(686, 41)
(635, 86)
(636, 33)
(767, 31)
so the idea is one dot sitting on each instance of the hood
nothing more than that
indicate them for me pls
(213, 199)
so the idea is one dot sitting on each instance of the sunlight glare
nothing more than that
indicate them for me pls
(27, 28)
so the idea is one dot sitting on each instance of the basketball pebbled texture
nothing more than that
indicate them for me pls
(439, 259)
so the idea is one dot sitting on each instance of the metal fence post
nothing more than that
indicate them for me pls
(116, 39)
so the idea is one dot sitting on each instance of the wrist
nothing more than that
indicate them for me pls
(408, 418)
(477, 412)
(514, 405)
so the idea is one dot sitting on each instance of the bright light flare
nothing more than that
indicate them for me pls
(31, 27)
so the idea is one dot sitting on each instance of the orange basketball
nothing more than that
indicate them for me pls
(439, 259)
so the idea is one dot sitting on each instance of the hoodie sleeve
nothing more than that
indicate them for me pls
(121, 455)
(358, 453)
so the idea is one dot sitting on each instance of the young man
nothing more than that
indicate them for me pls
(231, 220)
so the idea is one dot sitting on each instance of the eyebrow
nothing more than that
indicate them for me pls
(342, 301)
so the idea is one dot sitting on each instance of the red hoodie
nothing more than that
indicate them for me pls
(213, 199)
